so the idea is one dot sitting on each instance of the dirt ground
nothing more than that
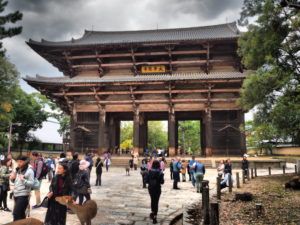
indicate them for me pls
(280, 206)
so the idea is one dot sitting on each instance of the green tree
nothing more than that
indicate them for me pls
(126, 131)
(157, 135)
(271, 49)
(189, 135)
(8, 83)
(29, 112)
(10, 18)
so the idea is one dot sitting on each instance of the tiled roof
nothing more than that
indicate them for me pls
(215, 32)
(131, 78)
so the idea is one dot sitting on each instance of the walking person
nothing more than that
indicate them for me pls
(192, 170)
(228, 166)
(98, 166)
(245, 166)
(171, 168)
(221, 168)
(188, 170)
(23, 178)
(176, 171)
(144, 169)
(183, 170)
(4, 183)
(82, 182)
(61, 185)
(38, 169)
(154, 178)
(107, 160)
(199, 169)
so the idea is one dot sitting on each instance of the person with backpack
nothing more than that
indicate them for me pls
(177, 165)
(98, 166)
(89, 158)
(23, 178)
(40, 169)
(171, 168)
(199, 171)
(154, 178)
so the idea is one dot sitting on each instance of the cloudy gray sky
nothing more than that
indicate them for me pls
(63, 19)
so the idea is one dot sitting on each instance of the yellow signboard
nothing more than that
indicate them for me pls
(153, 69)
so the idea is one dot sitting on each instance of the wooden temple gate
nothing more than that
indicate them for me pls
(172, 74)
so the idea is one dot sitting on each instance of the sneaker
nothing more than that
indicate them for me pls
(36, 206)
(176, 188)
(6, 209)
(1, 208)
(151, 216)
(154, 220)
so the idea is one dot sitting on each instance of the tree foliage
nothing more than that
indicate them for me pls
(189, 135)
(157, 135)
(271, 48)
(9, 18)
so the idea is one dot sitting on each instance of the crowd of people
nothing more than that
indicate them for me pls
(71, 176)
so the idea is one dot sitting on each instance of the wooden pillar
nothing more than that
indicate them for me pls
(101, 131)
(72, 131)
(136, 131)
(176, 135)
(241, 118)
(208, 132)
(143, 134)
(112, 135)
(118, 133)
(171, 132)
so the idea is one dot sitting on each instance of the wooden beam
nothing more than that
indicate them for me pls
(135, 71)
(149, 92)
(99, 60)
(149, 63)
(69, 62)
(193, 52)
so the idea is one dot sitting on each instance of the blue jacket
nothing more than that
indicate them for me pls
(200, 168)
(177, 166)
(191, 163)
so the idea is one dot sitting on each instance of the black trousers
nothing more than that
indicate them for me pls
(98, 179)
(3, 197)
(21, 204)
(171, 174)
(176, 179)
(81, 196)
(154, 195)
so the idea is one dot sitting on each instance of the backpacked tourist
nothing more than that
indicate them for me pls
(183, 170)
(107, 160)
(61, 185)
(199, 169)
(171, 168)
(144, 169)
(4, 183)
(245, 166)
(98, 166)
(155, 178)
(74, 165)
(192, 170)
(89, 158)
(220, 168)
(37, 166)
(82, 181)
(51, 167)
(176, 170)
(23, 178)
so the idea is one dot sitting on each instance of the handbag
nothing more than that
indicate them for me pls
(36, 184)
(45, 202)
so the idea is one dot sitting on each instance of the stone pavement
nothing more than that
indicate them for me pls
(122, 200)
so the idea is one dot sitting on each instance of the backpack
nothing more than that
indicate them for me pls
(45, 168)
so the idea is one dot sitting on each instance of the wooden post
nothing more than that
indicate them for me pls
(205, 204)
(270, 171)
(171, 132)
(101, 131)
(238, 180)
(136, 131)
(296, 169)
(283, 169)
(255, 172)
(230, 183)
(208, 132)
(243, 177)
(218, 187)
(214, 213)
(259, 209)
(252, 173)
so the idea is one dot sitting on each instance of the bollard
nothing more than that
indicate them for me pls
(295, 169)
(255, 172)
(252, 173)
(283, 169)
(214, 213)
(218, 187)
(243, 177)
(204, 183)
(205, 204)
(259, 209)
(238, 180)
(230, 183)
(270, 171)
